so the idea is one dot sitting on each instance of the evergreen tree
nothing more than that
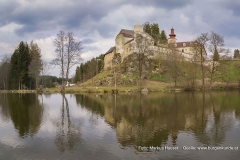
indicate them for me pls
(77, 74)
(163, 38)
(20, 61)
(153, 30)
(89, 69)
(36, 62)
(236, 53)
(147, 28)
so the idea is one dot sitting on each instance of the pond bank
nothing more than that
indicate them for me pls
(145, 89)
(17, 91)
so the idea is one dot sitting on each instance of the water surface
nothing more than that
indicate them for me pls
(128, 126)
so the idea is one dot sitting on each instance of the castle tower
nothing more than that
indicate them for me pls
(138, 29)
(172, 38)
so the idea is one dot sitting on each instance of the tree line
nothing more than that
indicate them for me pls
(25, 68)
(154, 31)
(22, 69)
(89, 69)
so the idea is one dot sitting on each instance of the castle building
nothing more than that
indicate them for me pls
(184, 47)
(123, 42)
(125, 38)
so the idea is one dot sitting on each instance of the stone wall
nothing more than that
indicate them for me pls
(119, 43)
(185, 49)
(108, 60)
(127, 51)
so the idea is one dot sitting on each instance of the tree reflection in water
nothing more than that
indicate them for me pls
(68, 134)
(154, 119)
(4, 111)
(25, 111)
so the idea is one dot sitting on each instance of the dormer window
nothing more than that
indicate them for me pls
(184, 44)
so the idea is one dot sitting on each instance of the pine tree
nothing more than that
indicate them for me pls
(20, 61)
(36, 62)
(163, 38)
(147, 28)
(77, 74)
(153, 30)
(89, 69)
(236, 53)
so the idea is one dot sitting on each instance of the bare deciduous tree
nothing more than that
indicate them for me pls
(212, 68)
(213, 43)
(73, 52)
(162, 49)
(59, 43)
(200, 49)
(141, 47)
(68, 53)
(4, 72)
(216, 42)
(215, 46)
(174, 64)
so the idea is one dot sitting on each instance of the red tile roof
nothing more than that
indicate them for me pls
(181, 44)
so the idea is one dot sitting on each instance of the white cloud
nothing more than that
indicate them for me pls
(101, 22)
(127, 15)
(47, 48)
(10, 27)
(6, 48)
(184, 19)
(100, 45)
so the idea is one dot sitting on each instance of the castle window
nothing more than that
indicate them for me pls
(182, 50)
(184, 44)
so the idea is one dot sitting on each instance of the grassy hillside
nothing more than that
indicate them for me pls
(189, 75)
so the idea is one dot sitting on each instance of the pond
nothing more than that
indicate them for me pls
(184, 125)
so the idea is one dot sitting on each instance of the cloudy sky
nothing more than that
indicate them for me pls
(97, 22)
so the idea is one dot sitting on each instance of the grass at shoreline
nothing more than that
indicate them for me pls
(94, 89)
(166, 87)
(105, 89)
